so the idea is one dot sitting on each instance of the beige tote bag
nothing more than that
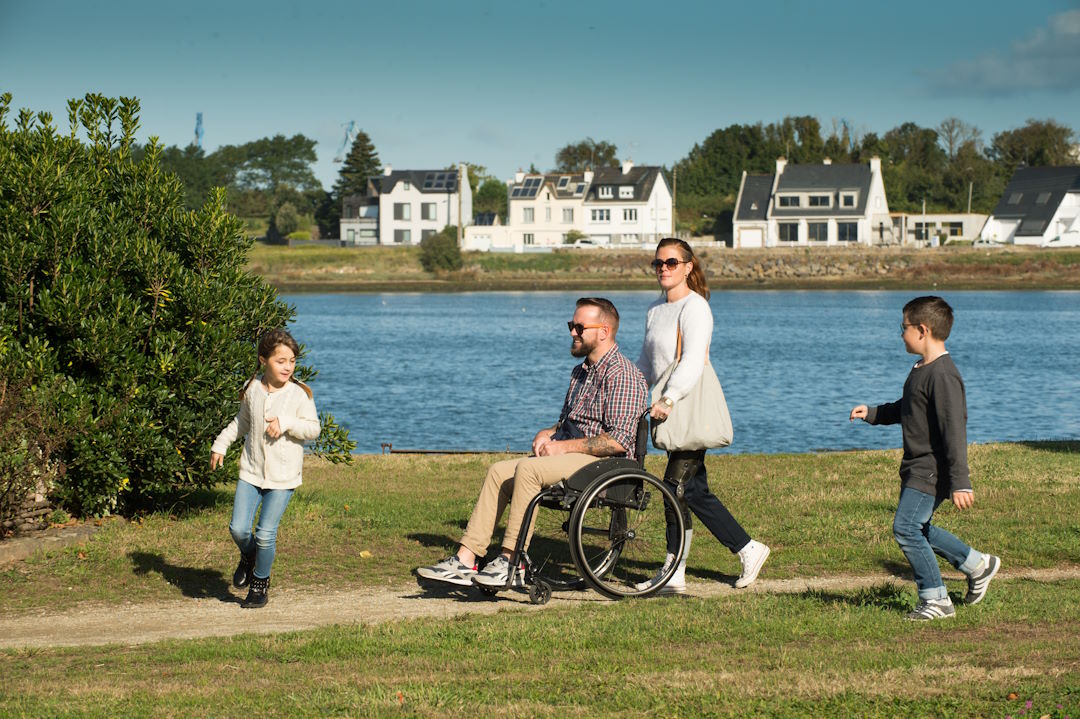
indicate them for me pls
(700, 420)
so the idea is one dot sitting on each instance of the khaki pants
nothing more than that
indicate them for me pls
(515, 482)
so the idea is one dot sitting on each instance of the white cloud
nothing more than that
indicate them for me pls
(1048, 59)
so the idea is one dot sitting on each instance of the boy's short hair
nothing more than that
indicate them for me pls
(933, 312)
(607, 310)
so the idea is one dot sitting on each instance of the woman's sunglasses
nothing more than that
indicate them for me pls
(671, 263)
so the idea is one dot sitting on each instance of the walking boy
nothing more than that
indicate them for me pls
(933, 416)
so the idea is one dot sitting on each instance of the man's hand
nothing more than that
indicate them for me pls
(859, 412)
(542, 438)
(553, 448)
(963, 500)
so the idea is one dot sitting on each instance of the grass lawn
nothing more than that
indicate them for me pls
(844, 653)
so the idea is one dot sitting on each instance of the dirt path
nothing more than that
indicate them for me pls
(291, 610)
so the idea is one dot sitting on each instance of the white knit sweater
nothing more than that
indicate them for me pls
(271, 463)
(662, 321)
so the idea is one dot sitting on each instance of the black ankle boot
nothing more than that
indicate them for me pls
(258, 595)
(242, 576)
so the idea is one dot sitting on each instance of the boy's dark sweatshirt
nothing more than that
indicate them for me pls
(933, 417)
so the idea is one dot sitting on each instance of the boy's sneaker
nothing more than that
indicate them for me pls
(495, 574)
(929, 609)
(450, 570)
(978, 583)
(752, 556)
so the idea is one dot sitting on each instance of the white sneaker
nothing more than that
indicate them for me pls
(675, 585)
(752, 556)
(449, 570)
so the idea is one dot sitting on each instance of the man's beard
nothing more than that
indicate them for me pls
(580, 350)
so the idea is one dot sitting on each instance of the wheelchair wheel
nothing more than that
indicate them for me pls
(540, 592)
(618, 533)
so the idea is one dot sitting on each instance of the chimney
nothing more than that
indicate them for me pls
(519, 176)
(827, 161)
(875, 165)
(588, 177)
(627, 165)
(781, 163)
(387, 170)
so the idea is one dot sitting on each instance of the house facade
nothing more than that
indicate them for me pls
(543, 209)
(813, 205)
(1038, 204)
(402, 207)
(627, 205)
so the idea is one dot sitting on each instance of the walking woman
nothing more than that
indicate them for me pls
(684, 309)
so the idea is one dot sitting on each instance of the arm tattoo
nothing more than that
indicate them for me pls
(603, 446)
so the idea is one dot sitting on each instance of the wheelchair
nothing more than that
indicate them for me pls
(612, 513)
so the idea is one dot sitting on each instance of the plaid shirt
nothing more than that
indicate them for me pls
(607, 398)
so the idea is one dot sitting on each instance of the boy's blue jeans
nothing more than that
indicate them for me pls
(920, 541)
(263, 541)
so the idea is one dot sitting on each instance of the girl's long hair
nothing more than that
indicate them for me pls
(267, 344)
(696, 279)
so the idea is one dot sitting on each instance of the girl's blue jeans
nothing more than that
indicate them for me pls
(262, 542)
(920, 541)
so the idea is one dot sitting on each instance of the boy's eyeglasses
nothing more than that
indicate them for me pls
(670, 262)
(579, 329)
(905, 325)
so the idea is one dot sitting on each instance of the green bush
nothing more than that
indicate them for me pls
(440, 252)
(300, 235)
(138, 311)
(287, 219)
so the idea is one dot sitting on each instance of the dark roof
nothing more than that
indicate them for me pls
(1034, 194)
(754, 203)
(642, 179)
(431, 181)
(531, 185)
(824, 179)
(484, 218)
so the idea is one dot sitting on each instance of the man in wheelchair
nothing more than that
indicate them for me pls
(599, 417)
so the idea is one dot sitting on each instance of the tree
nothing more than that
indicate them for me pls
(584, 155)
(361, 163)
(491, 197)
(954, 133)
(440, 252)
(286, 219)
(273, 162)
(135, 313)
(1039, 143)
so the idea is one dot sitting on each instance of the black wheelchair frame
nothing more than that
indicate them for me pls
(616, 529)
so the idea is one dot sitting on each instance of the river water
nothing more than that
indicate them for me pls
(485, 371)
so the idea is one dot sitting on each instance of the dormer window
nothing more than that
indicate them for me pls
(606, 191)
(820, 201)
(847, 199)
(626, 192)
(788, 200)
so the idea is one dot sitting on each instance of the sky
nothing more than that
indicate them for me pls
(505, 84)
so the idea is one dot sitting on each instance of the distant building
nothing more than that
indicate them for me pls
(913, 228)
(813, 205)
(1038, 204)
(402, 207)
(543, 209)
(627, 205)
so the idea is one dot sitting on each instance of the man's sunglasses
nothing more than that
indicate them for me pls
(671, 263)
(579, 329)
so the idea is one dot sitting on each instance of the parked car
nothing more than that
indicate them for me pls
(983, 243)
(1065, 239)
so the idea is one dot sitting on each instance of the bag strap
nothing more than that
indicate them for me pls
(678, 341)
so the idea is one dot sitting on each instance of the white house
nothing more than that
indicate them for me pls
(1038, 204)
(813, 205)
(627, 205)
(402, 207)
(543, 209)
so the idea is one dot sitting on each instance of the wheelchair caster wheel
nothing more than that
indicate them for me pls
(540, 593)
(488, 591)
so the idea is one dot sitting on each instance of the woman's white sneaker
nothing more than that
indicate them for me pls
(752, 556)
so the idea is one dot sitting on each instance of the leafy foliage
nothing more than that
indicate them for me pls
(138, 310)
(440, 252)
(580, 156)
(491, 197)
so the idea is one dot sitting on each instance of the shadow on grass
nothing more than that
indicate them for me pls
(711, 575)
(192, 582)
(889, 596)
(1062, 446)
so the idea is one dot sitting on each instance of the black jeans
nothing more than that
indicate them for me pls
(688, 467)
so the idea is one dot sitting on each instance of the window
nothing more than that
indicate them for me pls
(605, 191)
(820, 201)
(789, 231)
(563, 182)
(626, 192)
(348, 212)
(427, 211)
(847, 199)
(528, 238)
(568, 214)
(402, 211)
(424, 234)
(547, 214)
(580, 189)
(847, 231)
(1014, 198)
(405, 185)
(528, 215)
(955, 229)
(788, 200)
(633, 237)
(629, 215)
(402, 236)
(601, 215)
(351, 236)
(817, 231)
(922, 230)
(1043, 198)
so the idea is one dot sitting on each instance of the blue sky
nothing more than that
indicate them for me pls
(505, 84)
